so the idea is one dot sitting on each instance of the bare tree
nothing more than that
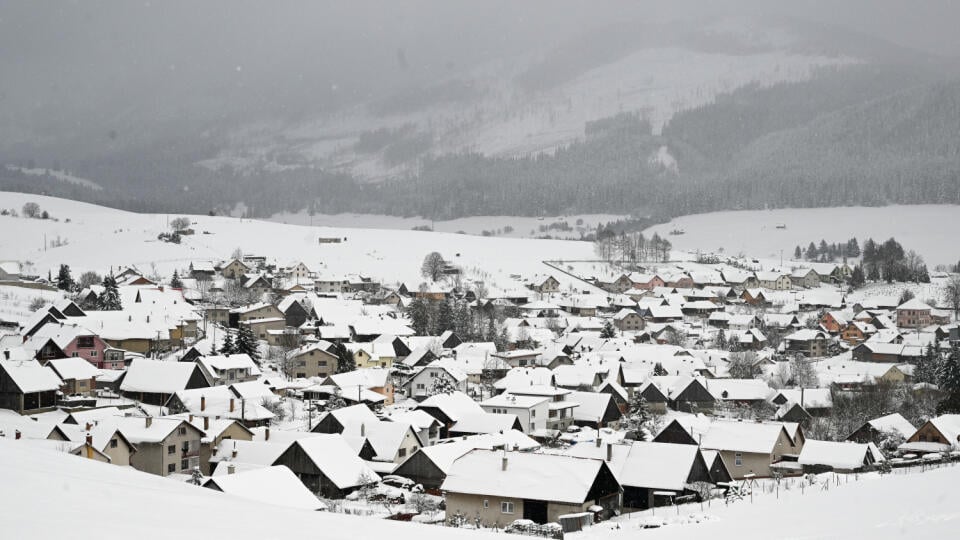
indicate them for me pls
(31, 210)
(432, 267)
(180, 224)
(951, 294)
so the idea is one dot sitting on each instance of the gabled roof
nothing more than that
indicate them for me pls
(73, 368)
(752, 437)
(893, 422)
(337, 460)
(158, 377)
(31, 377)
(544, 477)
(270, 485)
(839, 455)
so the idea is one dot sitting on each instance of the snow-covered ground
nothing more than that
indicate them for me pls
(99, 238)
(930, 230)
(519, 227)
(904, 504)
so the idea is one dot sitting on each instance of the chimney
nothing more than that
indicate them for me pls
(203, 403)
(17, 435)
(599, 442)
(191, 419)
(231, 404)
(363, 429)
(609, 452)
(88, 426)
(266, 433)
(503, 462)
(148, 318)
(148, 420)
(234, 453)
(90, 439)
(231, 468)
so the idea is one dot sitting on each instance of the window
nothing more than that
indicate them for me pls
(93, 354)
(172, 449)
(85, 342)
(533, 413)
(171, 468)
(113, 443)
(184, 464)
(182, 431)
(301, 363)
(421, 386)
(402, 452)
(321, 363)
(486, 503)
(506, 507)
(74, 354)
(738, 459)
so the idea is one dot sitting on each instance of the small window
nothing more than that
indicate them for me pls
(113, 443)
(182, 431)
(184, 464)
(171, 468)
(486, 503)
(533, 413)
(172, 449)
(402, 452)
(506, 507)
(74, 354)
(738, 459)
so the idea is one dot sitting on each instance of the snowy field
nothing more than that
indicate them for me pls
(98, 238)
(522, 227)
(930, 230)
(915, 505)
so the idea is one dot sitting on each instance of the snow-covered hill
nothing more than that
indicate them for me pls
(927, 229)
(97, 238)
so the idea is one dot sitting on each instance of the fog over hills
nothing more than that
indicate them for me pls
(447, 109)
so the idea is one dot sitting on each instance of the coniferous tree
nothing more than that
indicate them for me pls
(949, 378)
(812, 252)
(444, 318)
(247, 343)
(345, 360)
(797, 253)
(228, 348)
(608, 331)
(175, 282)
(857, 279)
(659, 371)
(64, 279)
(419, 317)
(110, 299)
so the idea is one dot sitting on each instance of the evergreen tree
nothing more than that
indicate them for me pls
(175, 282)
(873, 272)
(110, 299)
(228, 348)
(441, 385)
(444, 319)
(502, 341)
(247, 343)
(658, 370)
(857, 279)
(463, 321)
(928, 366)
(419, 317)
(721, 340)
(797, 254)
(824, 251)
(345, 360)
(608, 331)
(949, 377)
(64, 279)
(812, 252)
(853, 248)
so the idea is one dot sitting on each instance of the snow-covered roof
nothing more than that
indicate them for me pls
(893, 422)
(737, 389)
(338, 461)
(155, 376)
(546, 477)
(484, 423)
(75, 368)
(270, 485)
(31, 376)
(752, 437)
(839, 455)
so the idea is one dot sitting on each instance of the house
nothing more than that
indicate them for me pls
(429, 465)
(337, 421)
(744, 392)
(856, 332)
(877, 430)
(27, 387)
(270, 485)
(484, 423)
(312, 360)
(754, 297)
(9, 271)
(426, 380)
(327, 466)
(833, 322)
(649, 471)
(548, 284)
(747, 448)
(216, 430)
(448, 409)
(496, 488)
(294, 312)
(518, 357)
(261, 328)
(845, 457)
(805, 277)
(229, 369)
(234, 269)
(559, 407)
(815, 401)
(426, 426)
(261, 310)
(594, 409)
(165, 446)
(775, 281)
(154, 381)
(808, 342)
(939, 434)
(628, 320)
(914, 314)
(111, 442)
(392, 442)
(531, 411)
(740, 279)
(78, 375)
(646, 282)
(219, 402)
(374, 379)
(372, 354)
(685, 393)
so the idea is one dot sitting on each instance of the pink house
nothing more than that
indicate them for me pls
(646, 281)
(94, 350)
